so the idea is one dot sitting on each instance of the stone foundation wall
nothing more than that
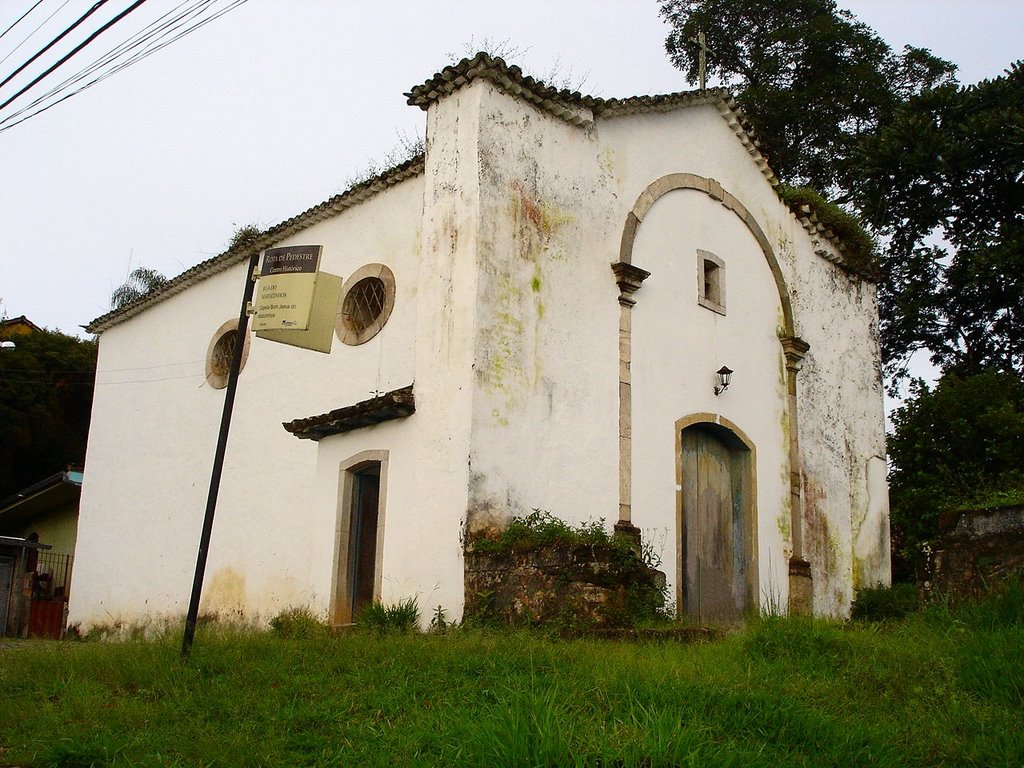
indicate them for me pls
(580, 586)
(981, 549)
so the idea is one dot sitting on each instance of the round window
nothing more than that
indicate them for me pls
(363, 304)
(219, 353)
(367, 300)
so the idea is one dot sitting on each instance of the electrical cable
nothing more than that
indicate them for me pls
(26, 13)
(96, 6)
(152, 47)
(76, 49)
(30, 34)
(149, 31)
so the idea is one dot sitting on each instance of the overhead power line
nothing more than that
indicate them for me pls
(184, 19)
(30, 34)
(76, 49)
(57, 39)
(19, 19)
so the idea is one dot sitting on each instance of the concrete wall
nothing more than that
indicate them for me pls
(58, 528)
(546, 343)
(678, 345)
(506, 318)
(154, 431)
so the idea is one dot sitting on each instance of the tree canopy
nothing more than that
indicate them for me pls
(812, 78)
(46, 386)
(934, 169)
(957, 445)
(951, 163)
(141, 281)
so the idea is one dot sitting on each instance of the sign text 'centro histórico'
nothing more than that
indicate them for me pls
(287, 279)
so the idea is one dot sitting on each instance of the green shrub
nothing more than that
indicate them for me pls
(879, 602)
(402, 618)
(538, 529)
(298, 624)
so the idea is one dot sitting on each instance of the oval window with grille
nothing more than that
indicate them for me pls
(366, 303)
(218, 354)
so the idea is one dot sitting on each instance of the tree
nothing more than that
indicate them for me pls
(958, 445)
(46, 386)
(141, 281)
(812, 78)
(894, 138)
(951, 163)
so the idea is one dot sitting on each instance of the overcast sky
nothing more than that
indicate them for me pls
(278, 104)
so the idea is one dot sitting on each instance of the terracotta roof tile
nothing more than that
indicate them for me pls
(240, 254)
(396, 404)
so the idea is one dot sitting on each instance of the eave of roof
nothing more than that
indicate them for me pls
(71, 479)
(571, 106)
(20, 543)
(396, 404)
(582, 110)
(239, 254)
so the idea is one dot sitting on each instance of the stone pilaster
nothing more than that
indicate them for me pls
(800, 584)
(629, 279)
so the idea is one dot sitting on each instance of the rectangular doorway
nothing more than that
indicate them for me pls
(359, 535)
(362, 559)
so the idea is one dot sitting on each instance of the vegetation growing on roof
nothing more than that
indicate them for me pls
(407, 149)
(245, 236)
(860, 249)
(556, 77)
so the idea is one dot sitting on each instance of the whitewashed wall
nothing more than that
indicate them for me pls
(545, 408)
(154, 431)
(506, 318)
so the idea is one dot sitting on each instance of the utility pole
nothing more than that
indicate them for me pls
(218, 459)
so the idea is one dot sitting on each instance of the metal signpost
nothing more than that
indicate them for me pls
(285, 302)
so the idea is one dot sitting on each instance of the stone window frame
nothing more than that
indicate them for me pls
(711, 281)
(216, 374)
(356, 336)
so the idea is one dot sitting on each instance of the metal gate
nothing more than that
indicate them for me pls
(6, 582)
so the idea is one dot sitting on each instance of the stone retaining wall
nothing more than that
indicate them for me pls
(581, 585)
(981, 548)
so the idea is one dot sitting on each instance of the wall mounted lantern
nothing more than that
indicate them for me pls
(7, 345)
(724, 378)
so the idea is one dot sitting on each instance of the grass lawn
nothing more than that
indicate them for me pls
(939, 688)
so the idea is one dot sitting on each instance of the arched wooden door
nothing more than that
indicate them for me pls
(717, 527)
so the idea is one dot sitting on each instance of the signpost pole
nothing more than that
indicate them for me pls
(218, 460)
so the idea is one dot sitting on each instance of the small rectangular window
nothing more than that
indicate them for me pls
(711, 282)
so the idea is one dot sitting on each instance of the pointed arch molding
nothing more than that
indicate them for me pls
(793, 349)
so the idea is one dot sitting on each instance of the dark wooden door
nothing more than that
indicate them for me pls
(363, 551)
(713, 529)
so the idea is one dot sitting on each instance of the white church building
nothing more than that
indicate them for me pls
(534, 314)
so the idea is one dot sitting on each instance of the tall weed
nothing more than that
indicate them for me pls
(400, 618)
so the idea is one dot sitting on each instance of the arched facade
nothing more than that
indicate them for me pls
(790, 353)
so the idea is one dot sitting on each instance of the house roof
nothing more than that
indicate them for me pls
(240, 253)
(58, 490)
(17, 542)
(571, 106)
(16, 326)
(396, 404)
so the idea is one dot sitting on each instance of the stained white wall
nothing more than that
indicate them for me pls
(506, 318)
(155, 424)
(545, 408)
